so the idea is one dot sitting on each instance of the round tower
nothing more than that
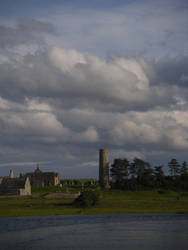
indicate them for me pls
(104, 169)
(11, 175)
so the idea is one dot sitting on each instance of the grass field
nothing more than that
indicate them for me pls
(44, 190)
(111, 201)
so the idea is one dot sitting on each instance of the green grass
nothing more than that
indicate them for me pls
(111, 201)
(143, 195)
(53, 189)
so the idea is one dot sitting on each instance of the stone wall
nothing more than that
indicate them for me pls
(27, 188)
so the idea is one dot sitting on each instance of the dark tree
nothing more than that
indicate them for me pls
(184, 169)
(159, 176)
(139, 174)
(184, 176)
(174, 167)
(120, 171)
(143, 172)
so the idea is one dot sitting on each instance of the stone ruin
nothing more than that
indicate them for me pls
(41, 179)
(10, 186)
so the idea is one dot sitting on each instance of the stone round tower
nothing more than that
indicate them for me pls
(11, 175)
(104, 169)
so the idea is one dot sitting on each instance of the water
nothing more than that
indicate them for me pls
(127, 231)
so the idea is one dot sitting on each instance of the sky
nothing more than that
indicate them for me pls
(77, 76)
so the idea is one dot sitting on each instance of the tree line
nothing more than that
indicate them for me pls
(140, 175)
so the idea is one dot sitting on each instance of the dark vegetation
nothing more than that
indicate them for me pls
(88, 198)
(140, 175)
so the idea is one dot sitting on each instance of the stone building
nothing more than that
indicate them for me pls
(1, 179)
(104, 179)
(41, 179)
(11, 175)
(15, 186)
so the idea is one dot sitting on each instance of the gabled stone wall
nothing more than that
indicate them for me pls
(41, 179)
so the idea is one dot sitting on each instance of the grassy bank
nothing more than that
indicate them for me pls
(112, 201)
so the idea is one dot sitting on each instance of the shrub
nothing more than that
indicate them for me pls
(87, 199)
(162, 191)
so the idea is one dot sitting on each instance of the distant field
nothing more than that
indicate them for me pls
(111, 201)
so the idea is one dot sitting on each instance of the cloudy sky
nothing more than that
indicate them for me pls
(78, 75)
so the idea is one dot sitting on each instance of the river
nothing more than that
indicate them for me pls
(117, 231)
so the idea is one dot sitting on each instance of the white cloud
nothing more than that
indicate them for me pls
(31, 119)
(35, 105)
(66, 60)
(90, 135)
(165, 129)
(38, 121)
(116, 81)
(156, 129)
(3, 104)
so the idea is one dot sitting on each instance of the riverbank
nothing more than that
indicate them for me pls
(111, 202)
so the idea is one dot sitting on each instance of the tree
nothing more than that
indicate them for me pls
(184, 176)
(184, 169)
(120, 171)
(159, 176)
(174, 167)
(143, 172)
